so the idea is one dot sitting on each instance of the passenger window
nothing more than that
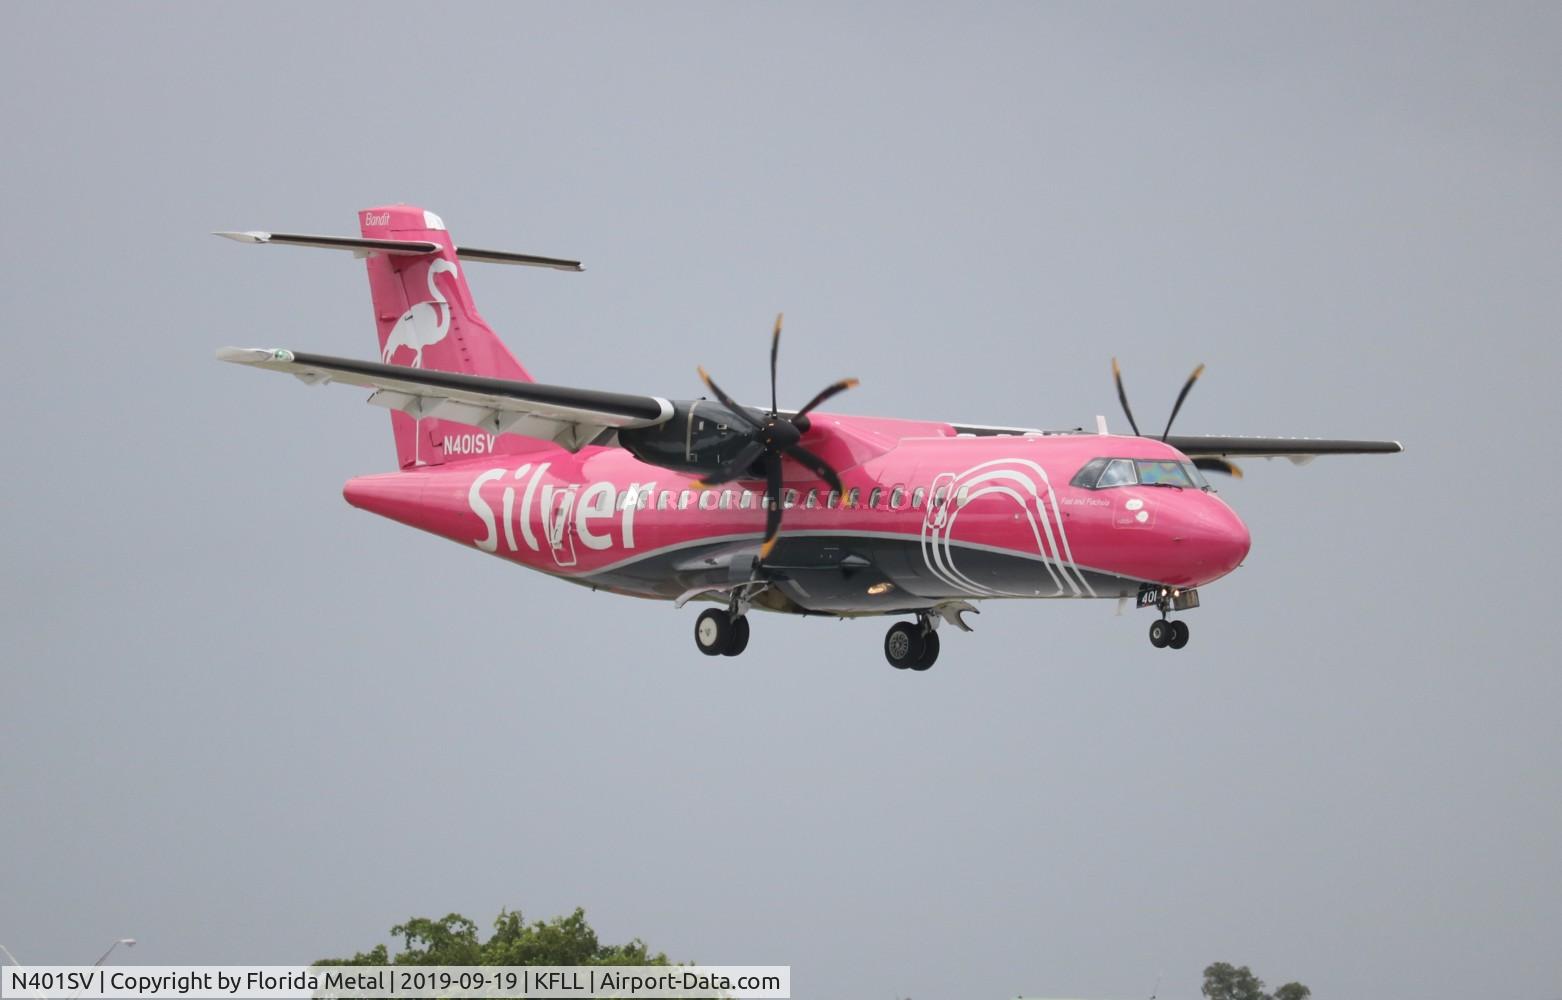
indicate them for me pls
(852, 495)
(940, 495)
(683, 500)
(789, 499)
(644, 499)
(812, 500)
(726, 499)
(1119, 472)
(665, 500)
(626, 500)
(746, 501)
(897, 498)
(917, 496)
(707, 500)
(873, 498)
(963, 495)
(833, 499)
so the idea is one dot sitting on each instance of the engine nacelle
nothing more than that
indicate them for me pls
(700, 437)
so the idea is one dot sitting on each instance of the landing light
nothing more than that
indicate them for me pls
(882, 587)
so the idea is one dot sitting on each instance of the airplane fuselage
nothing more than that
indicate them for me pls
(927, 517)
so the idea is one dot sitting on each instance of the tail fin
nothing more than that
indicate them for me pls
(426, 319)
(422, 304)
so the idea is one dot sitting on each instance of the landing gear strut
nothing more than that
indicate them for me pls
(912, 645)
(1166, 633)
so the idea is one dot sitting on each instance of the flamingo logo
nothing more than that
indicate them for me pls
(423, 325)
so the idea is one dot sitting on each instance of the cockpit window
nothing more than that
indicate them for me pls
(1085, 478)
(1119, 472)
(1163, 474)
(1103, 473)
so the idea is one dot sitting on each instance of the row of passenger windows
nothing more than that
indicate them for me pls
(1100, 473)
(878, 498)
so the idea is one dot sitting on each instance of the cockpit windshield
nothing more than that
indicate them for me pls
(1104, 473)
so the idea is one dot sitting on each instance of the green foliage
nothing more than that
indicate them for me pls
(453, 940)
(1223, 981)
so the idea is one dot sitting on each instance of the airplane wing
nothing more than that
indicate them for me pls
(570, 417)
(1209, 451)
(1297, 449)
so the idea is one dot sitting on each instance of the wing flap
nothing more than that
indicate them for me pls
(567, 416)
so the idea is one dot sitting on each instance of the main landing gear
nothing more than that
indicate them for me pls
(720, 633)
(912, 645)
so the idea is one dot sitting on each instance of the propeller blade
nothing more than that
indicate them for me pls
(735, 469)
(819, 466)
(773, 514)
(1219, 465)
(832, 390)
(1117, 376)
(727, 401)
(775, 348)
(1180, 397)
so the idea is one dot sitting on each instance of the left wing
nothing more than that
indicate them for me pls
(569, 417)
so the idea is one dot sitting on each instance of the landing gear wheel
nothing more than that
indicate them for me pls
(929, 652)
(905, 645)
(739, 641)
(713, 632)
(1179, 635)
(1160, 633)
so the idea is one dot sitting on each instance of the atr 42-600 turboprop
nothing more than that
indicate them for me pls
(793, 511)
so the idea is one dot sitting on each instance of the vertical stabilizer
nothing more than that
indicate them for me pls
(425, 318)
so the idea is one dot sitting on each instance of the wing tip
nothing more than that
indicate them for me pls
(251, 236)
(252, 355)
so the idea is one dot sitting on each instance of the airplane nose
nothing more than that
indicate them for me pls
(1225, 542)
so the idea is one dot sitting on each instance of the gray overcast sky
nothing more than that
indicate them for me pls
(248, 724)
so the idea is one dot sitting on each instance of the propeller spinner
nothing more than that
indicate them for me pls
(770, 440)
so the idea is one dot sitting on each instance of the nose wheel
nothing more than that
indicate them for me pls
(1173, 634)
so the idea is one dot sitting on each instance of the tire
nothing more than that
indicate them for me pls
(929, 652)
(713, 632)
(903, 645)
(1179, 635)
(739, 641)
(1160, 633)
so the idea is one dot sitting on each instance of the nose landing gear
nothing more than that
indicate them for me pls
(1165, 633)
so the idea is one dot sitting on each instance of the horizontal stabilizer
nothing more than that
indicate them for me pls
(362, 247)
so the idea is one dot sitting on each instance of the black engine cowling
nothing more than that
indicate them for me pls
(701, 437)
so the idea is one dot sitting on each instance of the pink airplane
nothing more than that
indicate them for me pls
(795, 511)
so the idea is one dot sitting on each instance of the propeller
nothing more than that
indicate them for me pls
(771, 439)
(1219, 465)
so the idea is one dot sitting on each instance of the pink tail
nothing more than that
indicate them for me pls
(426, 319)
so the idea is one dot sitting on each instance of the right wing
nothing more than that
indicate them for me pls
(569, 417)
